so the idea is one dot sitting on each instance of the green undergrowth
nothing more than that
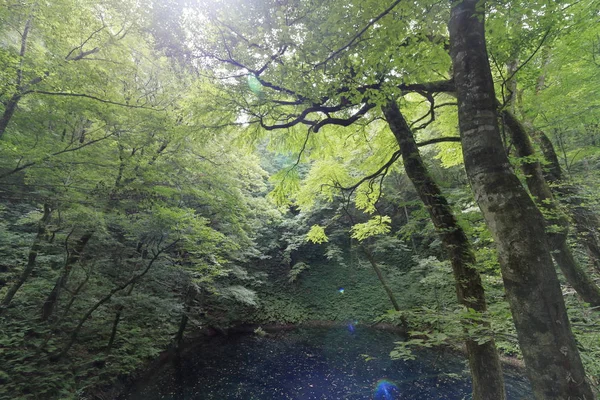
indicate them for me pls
(349, 290)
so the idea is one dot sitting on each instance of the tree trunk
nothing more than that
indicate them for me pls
(382, 279)
(74, 295)
(552, 170)
(9, 111)
(72, 258)
(11, 105)
(488, 381)
(584, 219)
(33, 252)
(553, 363)
(557, 238)
(105, 299)
(116, 321)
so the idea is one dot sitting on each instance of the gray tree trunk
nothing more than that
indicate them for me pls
(555, 219)
(585, 220)
(532, 289)
(486, 372)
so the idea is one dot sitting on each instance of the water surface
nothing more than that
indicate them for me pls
(313, 364)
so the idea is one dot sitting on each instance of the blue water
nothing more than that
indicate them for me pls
(316, 364)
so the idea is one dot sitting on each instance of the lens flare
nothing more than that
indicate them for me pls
(351, 327)
(254, 84)
(385, 390)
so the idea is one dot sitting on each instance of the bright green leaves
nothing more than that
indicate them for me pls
(450, 154)
(322, 182)
(379, 225)
(367, 196)
(286, 184)
(316, 234)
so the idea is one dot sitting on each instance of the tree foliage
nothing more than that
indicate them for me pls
(190, 163)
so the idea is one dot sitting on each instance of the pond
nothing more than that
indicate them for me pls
(313, 364)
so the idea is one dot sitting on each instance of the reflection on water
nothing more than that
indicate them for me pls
(349, 362)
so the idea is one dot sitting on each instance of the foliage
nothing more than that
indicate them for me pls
(205, 162)
(374, 226)
(316, 234)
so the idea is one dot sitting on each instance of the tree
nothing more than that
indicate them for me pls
(553, 363)
(484, 361)
(345, 95)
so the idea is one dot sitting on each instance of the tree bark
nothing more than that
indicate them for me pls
(488, 381)
(72, 259)
(553, 363)
(11, 105)
(33, 252)
(557, 238)
(552, 170)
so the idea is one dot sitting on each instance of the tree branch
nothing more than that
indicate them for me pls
(67, 150)
(87, 96)
(439, 140)
(82, 53)
(384, 168)
(359, 34)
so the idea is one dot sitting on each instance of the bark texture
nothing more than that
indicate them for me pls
(486, 372)
(553, 363)
(557, 238)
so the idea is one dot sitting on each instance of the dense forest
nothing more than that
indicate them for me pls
(172, 167)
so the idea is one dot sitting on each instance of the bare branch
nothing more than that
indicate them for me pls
(343, 121)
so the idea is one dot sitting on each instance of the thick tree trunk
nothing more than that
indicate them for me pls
(33, 252)
(488, 381)
(557, 238)
(72, 258)
(553, 363)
